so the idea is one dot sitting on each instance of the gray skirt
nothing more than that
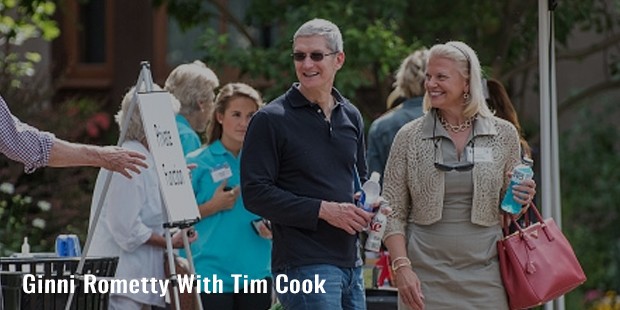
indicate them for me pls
(456, 262)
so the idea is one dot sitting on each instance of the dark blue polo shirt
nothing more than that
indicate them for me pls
(292, 160)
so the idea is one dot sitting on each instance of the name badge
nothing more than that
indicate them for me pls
(221, 172)
(479, 154)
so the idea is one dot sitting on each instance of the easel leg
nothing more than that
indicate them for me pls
(192, 270)
(173, 271)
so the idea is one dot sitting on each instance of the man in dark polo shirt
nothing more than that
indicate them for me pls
(297, 170)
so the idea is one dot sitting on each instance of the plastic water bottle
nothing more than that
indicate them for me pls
(68, 245)
(376, 229)
(370, 192)
(520, 173)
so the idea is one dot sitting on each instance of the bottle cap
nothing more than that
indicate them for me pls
(375, 176)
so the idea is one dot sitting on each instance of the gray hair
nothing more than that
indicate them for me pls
(191, 83)
(469, 67)
(411, 74)
(135, 129)
(324, 28)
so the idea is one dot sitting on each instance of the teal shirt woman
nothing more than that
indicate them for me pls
(228, 243)
(229, 248)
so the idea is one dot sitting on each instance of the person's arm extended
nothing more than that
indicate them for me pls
(113, 158)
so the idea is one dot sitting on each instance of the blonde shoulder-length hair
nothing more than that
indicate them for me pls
(469, 67)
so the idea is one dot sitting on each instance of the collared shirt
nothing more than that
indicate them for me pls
(213, 252)
(383, 129)
(190, 141)
(23, 143)
(293, 158)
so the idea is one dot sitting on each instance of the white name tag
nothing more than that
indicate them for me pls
(221, 173)
(479, 154)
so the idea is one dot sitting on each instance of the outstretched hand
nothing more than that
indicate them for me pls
(121, 160)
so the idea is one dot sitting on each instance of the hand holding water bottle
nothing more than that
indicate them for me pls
(520, 191)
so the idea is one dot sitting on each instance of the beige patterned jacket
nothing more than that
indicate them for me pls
(415, 188)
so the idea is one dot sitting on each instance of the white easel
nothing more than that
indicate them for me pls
(180, 221)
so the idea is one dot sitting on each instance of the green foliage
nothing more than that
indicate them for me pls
(19, 22)
(21, 217)
(590, 194)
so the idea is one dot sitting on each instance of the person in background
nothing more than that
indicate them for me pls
(35, 149)
(410, 83)
(298, 167)
(229, 242)
(131, 219)
(444, 179)
(500, 104)
(194, 85)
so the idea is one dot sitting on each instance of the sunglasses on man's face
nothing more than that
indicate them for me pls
(315, 56)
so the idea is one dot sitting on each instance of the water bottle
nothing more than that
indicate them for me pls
(370, 192)
(25, 248)
(520, 173)
(68, 245)
(376, 229)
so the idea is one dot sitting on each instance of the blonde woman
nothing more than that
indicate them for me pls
(229, 243)
(409, 83)
(194, 85)
(444, 179)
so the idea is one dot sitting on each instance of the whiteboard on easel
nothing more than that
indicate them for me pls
(164, 143)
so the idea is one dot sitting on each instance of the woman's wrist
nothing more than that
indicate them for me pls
(400, 262)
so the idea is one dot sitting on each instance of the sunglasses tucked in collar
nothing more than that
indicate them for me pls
(459, 166)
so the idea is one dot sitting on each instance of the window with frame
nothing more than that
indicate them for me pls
(87, 28)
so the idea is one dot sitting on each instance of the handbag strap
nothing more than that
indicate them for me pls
(507, 218)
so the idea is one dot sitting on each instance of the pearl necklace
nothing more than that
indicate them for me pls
(456, 128)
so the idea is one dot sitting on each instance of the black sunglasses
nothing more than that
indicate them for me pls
(315, 56)
(461, 166)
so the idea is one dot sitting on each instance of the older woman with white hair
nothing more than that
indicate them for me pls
(131, 220)
(444, 179)
(193, 84)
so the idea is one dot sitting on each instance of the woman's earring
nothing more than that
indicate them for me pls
(466, 99)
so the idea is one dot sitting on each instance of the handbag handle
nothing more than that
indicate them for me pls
(527, 224)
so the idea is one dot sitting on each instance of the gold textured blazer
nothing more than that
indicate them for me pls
(414, 188)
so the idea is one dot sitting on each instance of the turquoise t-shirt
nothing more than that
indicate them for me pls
(227, 243)
(190, 140)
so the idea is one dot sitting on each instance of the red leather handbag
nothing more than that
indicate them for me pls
(537, 263)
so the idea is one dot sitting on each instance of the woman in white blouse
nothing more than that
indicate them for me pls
(130, 223)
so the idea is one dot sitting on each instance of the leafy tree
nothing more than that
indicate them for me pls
(19, 22)
(378, 34)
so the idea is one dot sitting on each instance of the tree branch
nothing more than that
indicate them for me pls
(233, 20)
(566, 55)
(577, 99)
